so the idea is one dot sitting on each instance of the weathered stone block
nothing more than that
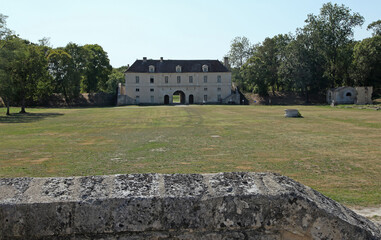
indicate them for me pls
(258, 206)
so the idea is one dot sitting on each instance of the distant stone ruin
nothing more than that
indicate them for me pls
(350, 95)
(179, 206)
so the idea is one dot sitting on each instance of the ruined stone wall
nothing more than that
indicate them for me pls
(364, 95)
(179, 206)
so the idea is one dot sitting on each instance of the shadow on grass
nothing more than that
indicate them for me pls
(27, 117)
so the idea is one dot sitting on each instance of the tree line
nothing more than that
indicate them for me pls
(31, 72)
(321, 55)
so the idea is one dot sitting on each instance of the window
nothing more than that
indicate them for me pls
(205, 68)
(178, 68)
(152, 90)
(205, 79)
(151, 80)
(152, 99)
(137, 90)
(178, 79)
(219, 78)
(137, 79)
(219, 89)
(348, 94)
(205, 98)
(205, 89)
(151, 68)
(190, 79)
(166, 79)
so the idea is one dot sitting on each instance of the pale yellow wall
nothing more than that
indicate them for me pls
(161, 88)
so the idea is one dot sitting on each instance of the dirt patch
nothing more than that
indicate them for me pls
(372, 213)
(207, 149)
(244, 167)
(40, 160)
(85, 143)
(25, 161)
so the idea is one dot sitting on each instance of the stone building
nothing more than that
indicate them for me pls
(194, 81)
(350, 95)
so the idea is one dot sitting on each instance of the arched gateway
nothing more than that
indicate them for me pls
(178, 97)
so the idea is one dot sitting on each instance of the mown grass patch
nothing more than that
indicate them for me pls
(334, 150)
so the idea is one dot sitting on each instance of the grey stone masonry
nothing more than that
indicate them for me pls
(261, 206)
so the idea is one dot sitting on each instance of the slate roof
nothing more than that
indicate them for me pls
(169, 66)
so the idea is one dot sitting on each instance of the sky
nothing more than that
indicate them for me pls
(173, 29)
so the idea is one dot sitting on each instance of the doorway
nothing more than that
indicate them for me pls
(191, 100)
(166, 99)
(178, 97)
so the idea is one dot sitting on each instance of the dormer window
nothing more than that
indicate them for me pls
(151, 68)
(178, 68)
(205, 68)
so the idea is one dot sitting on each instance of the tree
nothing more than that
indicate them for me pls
(10, 54)
(97, 69)
(376, 27)
(240, 51)
(331, 32)
(31, 77)
(271, 52)
(296, 68)
(62, 68)
(254, 75)
(4, 31)
(116, 77)
(367, 62)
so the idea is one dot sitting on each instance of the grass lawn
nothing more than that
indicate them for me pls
(176, 98)
(334, 150)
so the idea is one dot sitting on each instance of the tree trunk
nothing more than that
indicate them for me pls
(65, 95)
(7, 105)
(23, 106)
(307, 96)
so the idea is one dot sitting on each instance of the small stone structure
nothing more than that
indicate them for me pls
(350, 95)
(292, 113)
(179, 206)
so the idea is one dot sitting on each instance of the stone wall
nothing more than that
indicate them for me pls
(158, 206)
(364, 95)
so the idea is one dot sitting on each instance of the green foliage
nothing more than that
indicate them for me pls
(240, 51)
(10, 54)
(367, 62)
(116, 77)
(376, 27)
(32, 72)
(331, 32)
(62, 68)
(319, 56)
(97, 69)
(254, 71)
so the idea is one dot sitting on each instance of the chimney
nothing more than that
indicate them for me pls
(161, 59)
(226, 62)
(144, 59)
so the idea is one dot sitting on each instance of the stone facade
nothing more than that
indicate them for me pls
(178, 206)
(364, 95)
(196, 81)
